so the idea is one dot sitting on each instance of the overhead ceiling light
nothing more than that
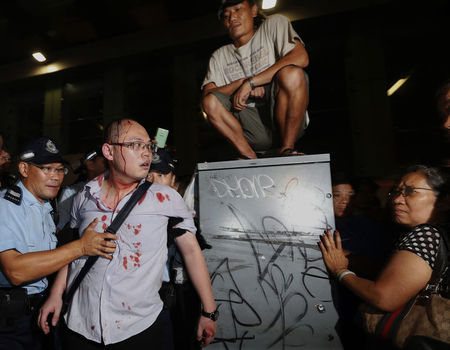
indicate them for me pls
(396, 86)
(268, 4)
(39, 56)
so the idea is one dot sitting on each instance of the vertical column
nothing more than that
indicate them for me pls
(52, 109)
(186, 95)
(373, 137)
(113, 98)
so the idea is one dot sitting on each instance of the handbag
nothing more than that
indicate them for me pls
(115, 225)
(426, 315)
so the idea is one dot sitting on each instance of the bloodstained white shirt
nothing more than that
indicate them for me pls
(119, 298)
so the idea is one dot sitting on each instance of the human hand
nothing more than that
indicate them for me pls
(332, 252)
(96, 243)
(206, 330)
(241, 95)
(52, 305)
(259, 92)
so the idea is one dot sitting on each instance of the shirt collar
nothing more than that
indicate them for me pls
(30, 199)
(94, 187)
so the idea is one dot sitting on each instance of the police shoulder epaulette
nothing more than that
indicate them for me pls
(14, 194)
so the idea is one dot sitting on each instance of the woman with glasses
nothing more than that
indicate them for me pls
(420, 204)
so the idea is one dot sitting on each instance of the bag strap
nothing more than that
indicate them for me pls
(113, 228)
(389, 324)
(439, 267)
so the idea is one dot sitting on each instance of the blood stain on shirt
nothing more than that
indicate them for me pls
(125, 263)
(168, 198)
(136, 231)
(123, 304)
(129, 308)
(161, 197)
(104, 218)
(104, 226)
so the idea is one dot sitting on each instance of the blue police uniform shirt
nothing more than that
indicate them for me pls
(27, 227)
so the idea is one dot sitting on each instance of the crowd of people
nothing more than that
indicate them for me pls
(153, 290)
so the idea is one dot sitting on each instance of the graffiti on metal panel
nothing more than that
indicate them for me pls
(286, 293)
(258, 186)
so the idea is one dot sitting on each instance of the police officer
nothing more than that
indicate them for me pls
(28, 241)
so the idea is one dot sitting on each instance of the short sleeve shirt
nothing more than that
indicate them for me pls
(422, 240)
(27, 227)
(119, 298)
(274, 39)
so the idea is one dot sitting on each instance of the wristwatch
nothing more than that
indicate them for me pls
(212, 315)
(251, 82)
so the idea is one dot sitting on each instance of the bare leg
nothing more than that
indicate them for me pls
(291, 104)
(227, 125)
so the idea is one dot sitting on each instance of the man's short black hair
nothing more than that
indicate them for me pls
(114, 129)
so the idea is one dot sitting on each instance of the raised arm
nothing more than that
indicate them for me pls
(198, 272)
(21, 268)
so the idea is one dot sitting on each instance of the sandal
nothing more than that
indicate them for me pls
(287, 152)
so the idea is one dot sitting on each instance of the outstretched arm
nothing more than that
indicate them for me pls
(198, 272)
(405, 275)
(21, 268)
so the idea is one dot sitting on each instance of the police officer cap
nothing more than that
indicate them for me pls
(162, 162)
(42, 150)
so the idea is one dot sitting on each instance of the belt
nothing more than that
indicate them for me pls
(35, 301)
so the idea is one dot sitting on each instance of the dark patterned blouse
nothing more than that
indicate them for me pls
(422, 240)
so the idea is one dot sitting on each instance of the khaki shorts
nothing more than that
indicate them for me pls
(258, 119)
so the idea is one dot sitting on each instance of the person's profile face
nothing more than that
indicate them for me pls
(414, 200)
(446, 124)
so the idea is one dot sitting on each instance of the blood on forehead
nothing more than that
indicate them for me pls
(119, 129)
(127, 130)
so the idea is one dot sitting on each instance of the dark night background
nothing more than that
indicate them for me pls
(147, 59)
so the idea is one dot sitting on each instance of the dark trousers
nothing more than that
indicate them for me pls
(153, 338)
(25, 336)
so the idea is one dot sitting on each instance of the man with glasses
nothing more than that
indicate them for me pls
(28, 241)
(117, 304)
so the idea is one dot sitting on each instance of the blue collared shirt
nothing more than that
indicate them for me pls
(27, 228)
